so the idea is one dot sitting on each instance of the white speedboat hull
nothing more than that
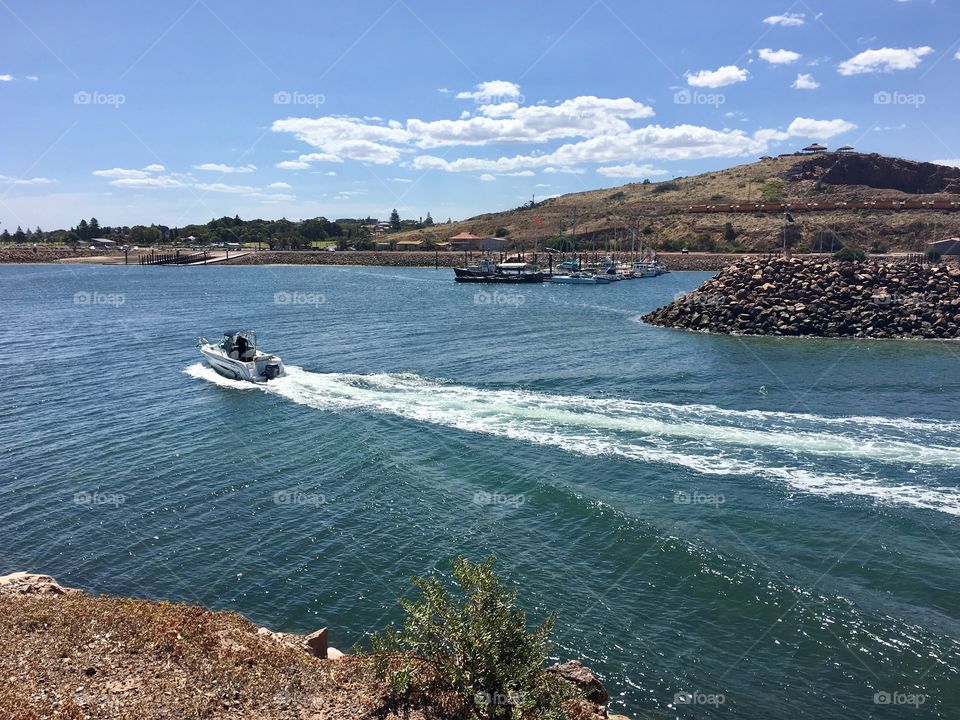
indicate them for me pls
(259, 369)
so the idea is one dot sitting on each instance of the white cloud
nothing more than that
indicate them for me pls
(522, 173)
(682, 142)
(121, 173)
(487, 177)
(786, 20)
(819, 129)
(343, 137)
(721, 77)
(155, 168)
(401, 180)
(32, 78)
(220, 167)
(490, 90)
(279, 186)
(778, 57)
(147, 182)
(805, 81)
(952, 162)
(884, 60)
(631, 170)
(7, 180)
(6, 78)
(224, 188)
(331, 173)
(585, 116)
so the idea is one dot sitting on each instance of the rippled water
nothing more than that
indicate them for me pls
(770, 523)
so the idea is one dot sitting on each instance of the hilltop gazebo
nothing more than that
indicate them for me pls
(845, 149)
(814, 148)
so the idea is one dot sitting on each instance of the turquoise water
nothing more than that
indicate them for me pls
(769, 525)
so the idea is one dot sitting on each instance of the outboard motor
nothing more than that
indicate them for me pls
(271, 370)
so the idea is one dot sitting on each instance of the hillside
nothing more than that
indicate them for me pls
(661, 210)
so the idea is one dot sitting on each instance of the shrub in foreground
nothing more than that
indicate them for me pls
(468, 649)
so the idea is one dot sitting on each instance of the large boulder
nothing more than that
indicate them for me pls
(583, 678)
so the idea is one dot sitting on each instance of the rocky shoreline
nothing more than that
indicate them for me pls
(70, 654)
(813, 297)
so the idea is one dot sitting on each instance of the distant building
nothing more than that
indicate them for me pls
(409, 244)
(465, 241)
(845, 149)
(814, 148)
(103, 243)
(494, 243)
(381, 244)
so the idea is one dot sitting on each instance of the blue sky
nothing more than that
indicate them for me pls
(180, 111)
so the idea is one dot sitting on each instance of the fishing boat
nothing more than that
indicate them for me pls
(648, 268)
(488, 271)
(236, 356)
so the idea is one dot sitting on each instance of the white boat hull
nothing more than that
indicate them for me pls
(260, 369)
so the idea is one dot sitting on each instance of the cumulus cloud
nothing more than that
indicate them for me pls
(279, 186)
(585, 116)
(487, 177)
(6, 78)
(805, 81)
(147, 177)
(721, 77)
(631, 170)
(344, 137)
(884, 60)
(490, 90)
(786, 20)
(778, 57)
(220, 167)
(682, 142)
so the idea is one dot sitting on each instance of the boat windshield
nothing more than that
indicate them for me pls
(242, 341)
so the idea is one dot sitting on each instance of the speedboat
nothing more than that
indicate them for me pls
(580, 278)
(236, 356)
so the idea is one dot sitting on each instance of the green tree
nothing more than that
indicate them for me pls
(429, 221)
(94, 228)
(5, 236)
(395, 220)
(19, 236)
(83, 231)
(729, 234)
(501, 232)
(471, 645)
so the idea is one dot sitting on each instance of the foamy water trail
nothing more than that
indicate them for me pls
(783, 447)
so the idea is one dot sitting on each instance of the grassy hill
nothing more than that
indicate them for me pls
(658, 211)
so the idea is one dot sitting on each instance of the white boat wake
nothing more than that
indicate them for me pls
(786, 448)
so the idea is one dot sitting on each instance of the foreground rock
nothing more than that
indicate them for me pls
(822, 298)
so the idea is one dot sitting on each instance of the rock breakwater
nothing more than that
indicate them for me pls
(814, 297)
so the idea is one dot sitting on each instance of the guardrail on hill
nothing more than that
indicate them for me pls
(772, 207)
